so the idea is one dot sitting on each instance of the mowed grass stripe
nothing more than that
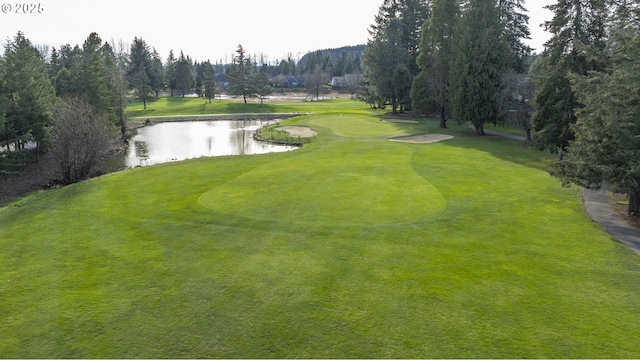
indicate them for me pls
(348, 184)
(132, 265)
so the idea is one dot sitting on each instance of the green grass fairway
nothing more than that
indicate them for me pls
(351, 247)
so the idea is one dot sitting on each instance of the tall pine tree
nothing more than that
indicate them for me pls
(516, 22)
(389, 61)
(240, 75)
(578, 40)
(436, 56)
(481, 57)
(184, 74)
(28, 95)
(607, 129)
(209, 81)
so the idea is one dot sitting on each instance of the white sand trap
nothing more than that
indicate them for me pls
(298, 131)
(400, 121)
(423, 138)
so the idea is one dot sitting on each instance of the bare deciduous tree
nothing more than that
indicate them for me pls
(317, 82)
(81, 137)
(515, 100)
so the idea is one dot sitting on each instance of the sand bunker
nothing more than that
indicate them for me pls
(298, 131)
(423, 139)
(400, 121)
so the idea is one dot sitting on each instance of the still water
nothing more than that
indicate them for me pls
(175, 141)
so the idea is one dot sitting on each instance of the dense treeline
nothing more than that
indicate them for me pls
(445, 56)
(579, 98)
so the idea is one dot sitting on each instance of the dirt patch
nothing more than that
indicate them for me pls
(298, 131)
(423, 138)
(400, 121)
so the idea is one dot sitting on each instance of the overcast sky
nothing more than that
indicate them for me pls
(212, 29)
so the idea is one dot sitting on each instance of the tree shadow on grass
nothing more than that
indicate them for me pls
(515, 151)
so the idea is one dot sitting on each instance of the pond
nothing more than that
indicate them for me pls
(175, 141)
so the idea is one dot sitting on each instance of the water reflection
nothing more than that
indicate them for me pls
(174, 141)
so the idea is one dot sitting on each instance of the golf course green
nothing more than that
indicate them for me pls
(352, 246)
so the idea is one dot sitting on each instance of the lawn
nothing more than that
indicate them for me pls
(171, 106)
(350, 247)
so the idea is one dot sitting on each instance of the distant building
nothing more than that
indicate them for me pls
(293, 81)
(346, 82)
(338, 82)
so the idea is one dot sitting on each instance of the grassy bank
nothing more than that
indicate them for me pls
(352, 246)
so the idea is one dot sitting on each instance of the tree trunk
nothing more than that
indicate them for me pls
(634, 203)
(443, 118)
(144, 103)
(479, 129)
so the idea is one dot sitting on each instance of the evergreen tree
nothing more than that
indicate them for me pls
(240, 74)
(54, 63)
(209, 82)
(578, 39)
(436, 56)
(117, 75)
(141, 86)
(62, 82)
(261, 84)
(423, 96)
(390, 57)
(516, 22)
(382, 59)
(607, 128)
(3, 99)
(88, 76)
(28, 94)
(156, 72)
(139, 57)
(184, 74)
(481, 56)
(170, 72)
(411, 14)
